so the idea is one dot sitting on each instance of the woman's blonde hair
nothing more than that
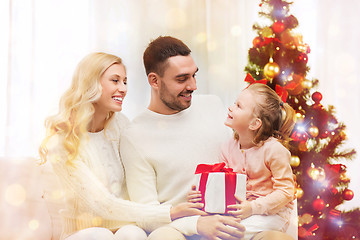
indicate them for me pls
(278, 118)
(76, 108)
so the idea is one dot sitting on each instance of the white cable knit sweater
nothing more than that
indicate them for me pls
(161, 152)
(95, 189)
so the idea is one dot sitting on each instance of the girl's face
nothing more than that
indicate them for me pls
(241, 114)
(113, 82)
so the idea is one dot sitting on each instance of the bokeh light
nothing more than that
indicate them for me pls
(15, 194)
(34, 224)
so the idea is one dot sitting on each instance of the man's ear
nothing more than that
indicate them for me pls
(255, 124)
(153, 80)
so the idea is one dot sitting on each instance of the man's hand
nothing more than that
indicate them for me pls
(186, 209)
(217, 227)
(242, 210)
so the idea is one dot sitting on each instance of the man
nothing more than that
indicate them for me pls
(164, 144)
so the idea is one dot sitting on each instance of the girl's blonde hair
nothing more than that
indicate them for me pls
(76, 107)
(278, 118)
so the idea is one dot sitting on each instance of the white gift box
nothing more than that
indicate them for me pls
(215, 190)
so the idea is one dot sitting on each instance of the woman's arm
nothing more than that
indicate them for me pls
(80, 181)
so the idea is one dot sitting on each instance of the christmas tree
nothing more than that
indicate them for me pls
(279, 59)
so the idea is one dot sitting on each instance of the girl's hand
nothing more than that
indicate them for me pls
(241, 210)
(194, 196)
(186, 209)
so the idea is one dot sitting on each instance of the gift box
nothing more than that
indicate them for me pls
(218, 185)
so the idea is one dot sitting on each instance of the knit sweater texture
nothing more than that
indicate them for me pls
(94, 188)
(161, 152)
(270, 182)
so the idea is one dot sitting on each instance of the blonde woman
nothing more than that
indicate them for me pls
(82, 145)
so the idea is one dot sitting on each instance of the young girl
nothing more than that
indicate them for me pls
(262, 124)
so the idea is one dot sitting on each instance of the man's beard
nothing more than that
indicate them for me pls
(171, 101)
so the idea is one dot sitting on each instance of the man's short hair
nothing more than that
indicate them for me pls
(159, 50)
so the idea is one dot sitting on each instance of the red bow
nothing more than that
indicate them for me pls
(310, 231)
(251, 80)
(282, 91)
(268, 40)
(217, 167)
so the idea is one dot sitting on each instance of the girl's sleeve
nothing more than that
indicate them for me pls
(278, 161)
(81, 182)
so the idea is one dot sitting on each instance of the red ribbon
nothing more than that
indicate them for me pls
(282, 91)
(268, 40)
(251, 80)
(310, 231)
(230, 181)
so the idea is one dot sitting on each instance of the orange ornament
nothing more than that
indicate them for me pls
(256, 42)
(348, 194)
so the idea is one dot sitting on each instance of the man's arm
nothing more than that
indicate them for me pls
(140, 178)
(141, 183)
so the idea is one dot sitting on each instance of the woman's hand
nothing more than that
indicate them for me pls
(186, 209)
(193, 195)
(241, 210)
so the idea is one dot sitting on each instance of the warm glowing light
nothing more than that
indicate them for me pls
(324, 183)
(339, 223)
(211, 46)
(314, 173)
(301, 128)
(201, 37)
(299, 117)
(306, 218)
(34, 224)
(15, 194)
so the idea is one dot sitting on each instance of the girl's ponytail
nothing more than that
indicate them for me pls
(287, 122)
